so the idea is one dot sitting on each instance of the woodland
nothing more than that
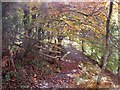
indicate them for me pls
(60, 45)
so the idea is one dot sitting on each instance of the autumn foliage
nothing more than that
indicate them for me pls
(59, 44)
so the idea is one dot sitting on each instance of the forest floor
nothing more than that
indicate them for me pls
(78, 70)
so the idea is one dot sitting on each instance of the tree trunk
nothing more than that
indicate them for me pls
(118, 67)
(119, 42)
(105, 58)
(7, 11)
(83, 50)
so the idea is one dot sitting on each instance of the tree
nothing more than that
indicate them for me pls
(105, 58)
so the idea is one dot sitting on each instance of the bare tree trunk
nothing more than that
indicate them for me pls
(119, 42)
(83, 42)
(7, 11)
(119, 67)
(83, 46)
(105, 58)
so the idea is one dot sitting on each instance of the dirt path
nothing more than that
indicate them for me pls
(75, 54)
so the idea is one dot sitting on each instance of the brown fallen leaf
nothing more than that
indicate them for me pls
(4, 61)
(106, 84)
